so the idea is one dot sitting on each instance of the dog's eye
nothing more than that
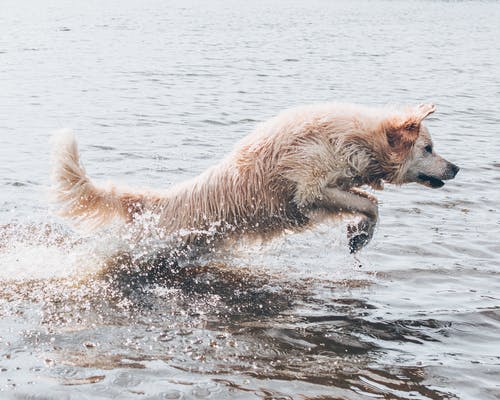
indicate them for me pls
(428, 148)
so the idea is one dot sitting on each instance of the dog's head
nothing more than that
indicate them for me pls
(412, 152)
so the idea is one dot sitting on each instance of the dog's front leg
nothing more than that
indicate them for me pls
(361, 233)
(354, 201)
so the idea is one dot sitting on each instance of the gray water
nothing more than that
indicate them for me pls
(156, 92)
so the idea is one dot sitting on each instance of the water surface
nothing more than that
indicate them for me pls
(157, 92)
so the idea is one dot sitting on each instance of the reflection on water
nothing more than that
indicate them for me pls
(158, 91)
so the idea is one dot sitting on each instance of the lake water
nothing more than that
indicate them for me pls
(156, 92)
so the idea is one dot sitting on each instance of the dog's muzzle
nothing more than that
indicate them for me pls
(437, 181)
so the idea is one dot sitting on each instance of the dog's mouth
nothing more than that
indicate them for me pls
(430, 181)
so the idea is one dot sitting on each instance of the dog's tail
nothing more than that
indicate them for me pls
(78, 199)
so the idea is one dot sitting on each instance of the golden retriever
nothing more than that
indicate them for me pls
(302, 165)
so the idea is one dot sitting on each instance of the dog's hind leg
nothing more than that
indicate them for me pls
(355, 201)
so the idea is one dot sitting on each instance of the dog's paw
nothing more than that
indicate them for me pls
(360, 234)
(357, 242)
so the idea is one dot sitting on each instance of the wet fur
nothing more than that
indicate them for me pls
(302, 165)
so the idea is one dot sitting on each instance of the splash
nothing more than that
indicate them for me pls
(47, 251)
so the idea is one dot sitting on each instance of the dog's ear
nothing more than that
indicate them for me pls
(403, 132)
(417, 114)
(423, 110)
(414, 117)
(400, 138)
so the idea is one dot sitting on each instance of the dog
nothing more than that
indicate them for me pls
(303, 165)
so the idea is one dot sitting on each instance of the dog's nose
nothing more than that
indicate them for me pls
(454, 169)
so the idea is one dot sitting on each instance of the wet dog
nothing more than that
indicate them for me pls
(305, 164)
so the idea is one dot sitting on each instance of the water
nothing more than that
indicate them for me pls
(157, 92)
